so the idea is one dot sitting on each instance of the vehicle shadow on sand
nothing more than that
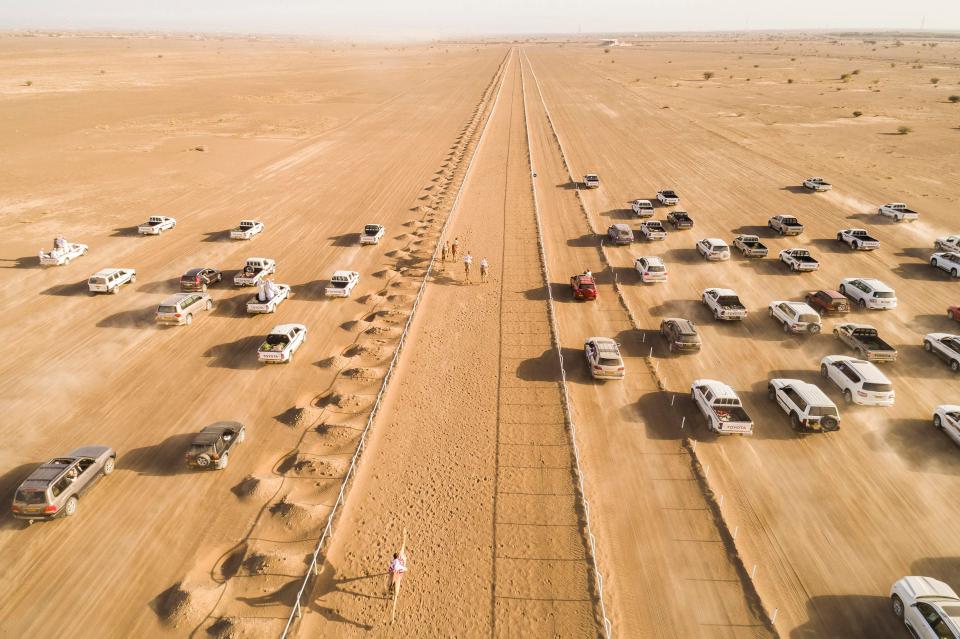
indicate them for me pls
(9, 482)
(919, 444)
(136, 318)
(941, 323)
(945, 569)
(799, 189)
(125, 231)
(684, 256)
(559, 290)
(764, 231)
(922, 272)
(30, 261)
(161, 286)
(217, 236)
(69, 290)
(240, 354)
(310, 291)
(543, 368)
(345, 239)
(825, 245)
(848, 616)
(584, 241)
(165, 458)
(233, 306)
(619, 214)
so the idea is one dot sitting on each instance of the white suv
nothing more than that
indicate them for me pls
(945, 346)
(809, 407)
(603, 358)
(109, 280)
(861, 381)
(868, 293)
(946, 417)
(713, 249)
(651, 269)
(929, 608)
(949, 262)
(796, 317)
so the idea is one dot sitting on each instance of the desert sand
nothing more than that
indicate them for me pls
(520, 494)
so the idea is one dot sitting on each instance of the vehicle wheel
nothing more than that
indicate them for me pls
(70, 507)
(848, 396)
(771, 393)
(786, 329)
(242, 436)
(862, 354)
(839, 237)
(862, 304)
(927, 346)
(933, 263)
(937, 423)
(219, 277)
(953, 272)
(949, 314)
(716, 314)
(672, 347)
(897, 604)
(133, 278)
(209, 305)
(955, 365)
(830, 423)
(223, 462)
(823, 370)
(109, 465)
(814, 328)
(114, 290)
(842, 290)
(85, 251)
(794, 421)
(856, 245)
(203, 460)
(188, 320)
(203, 287)
(770, 312)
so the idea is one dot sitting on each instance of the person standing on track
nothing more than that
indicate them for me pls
(397, 568)
(467, 263)
(455, 248)
(484, 266)
(443, 255)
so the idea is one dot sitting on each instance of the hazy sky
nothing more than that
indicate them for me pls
(431, 18)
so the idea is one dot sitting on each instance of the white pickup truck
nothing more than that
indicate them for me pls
(254, 271)
(785, 225)
(246, 230)
(724, 304)
(372, 234)
(652, 230)
(799, 260)
(817, 184)
(156, 224)
(858, 239)
(61, 256)
(591, 181)
(899, 212)
(750, 246)
(668, 197)
(342, 284)
(721, 407)
(642, 208)
(273, 295)
(282, 342)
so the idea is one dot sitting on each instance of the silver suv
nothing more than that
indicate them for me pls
(181, 307)
(55, 487)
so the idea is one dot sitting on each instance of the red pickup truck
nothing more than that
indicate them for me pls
(583, 287)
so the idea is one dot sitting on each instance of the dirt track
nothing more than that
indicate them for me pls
(316, 141)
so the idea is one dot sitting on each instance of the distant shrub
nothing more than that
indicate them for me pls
(855, 72)
(793, 59)
(934, 80)
(606, 50)
(756, 66)
(707, 75)
(954, 98)
(28, 83)
(789, 80)
(857, 114)
(845, 77)
(903, 130)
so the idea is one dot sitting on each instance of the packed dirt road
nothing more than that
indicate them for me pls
(472, 452)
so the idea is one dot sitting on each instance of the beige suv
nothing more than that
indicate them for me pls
(55, 488)
(181, 307)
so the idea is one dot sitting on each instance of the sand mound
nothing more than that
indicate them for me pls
(383, 331)
(336, 361)
(400, 299)
(293, 416)
(352, 325)
(258, 564)
(183, 604)
(385, 273)
(409, 223)
(303, 466)
(374, 349)
(291, 514)
(225, 628)
(337, 399)
(362, 374)
(254, 486)
(370, 298)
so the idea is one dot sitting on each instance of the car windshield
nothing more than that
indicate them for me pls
(609, 361)
(824, 411)
(728, 300)
(883, 294)
(31, 496)
(585, 286)
(655, 226)
(98, 280)
(874, 387)
(167, 309)
(623, 232)
(689, 338)
(654, 268)
(371, 230)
